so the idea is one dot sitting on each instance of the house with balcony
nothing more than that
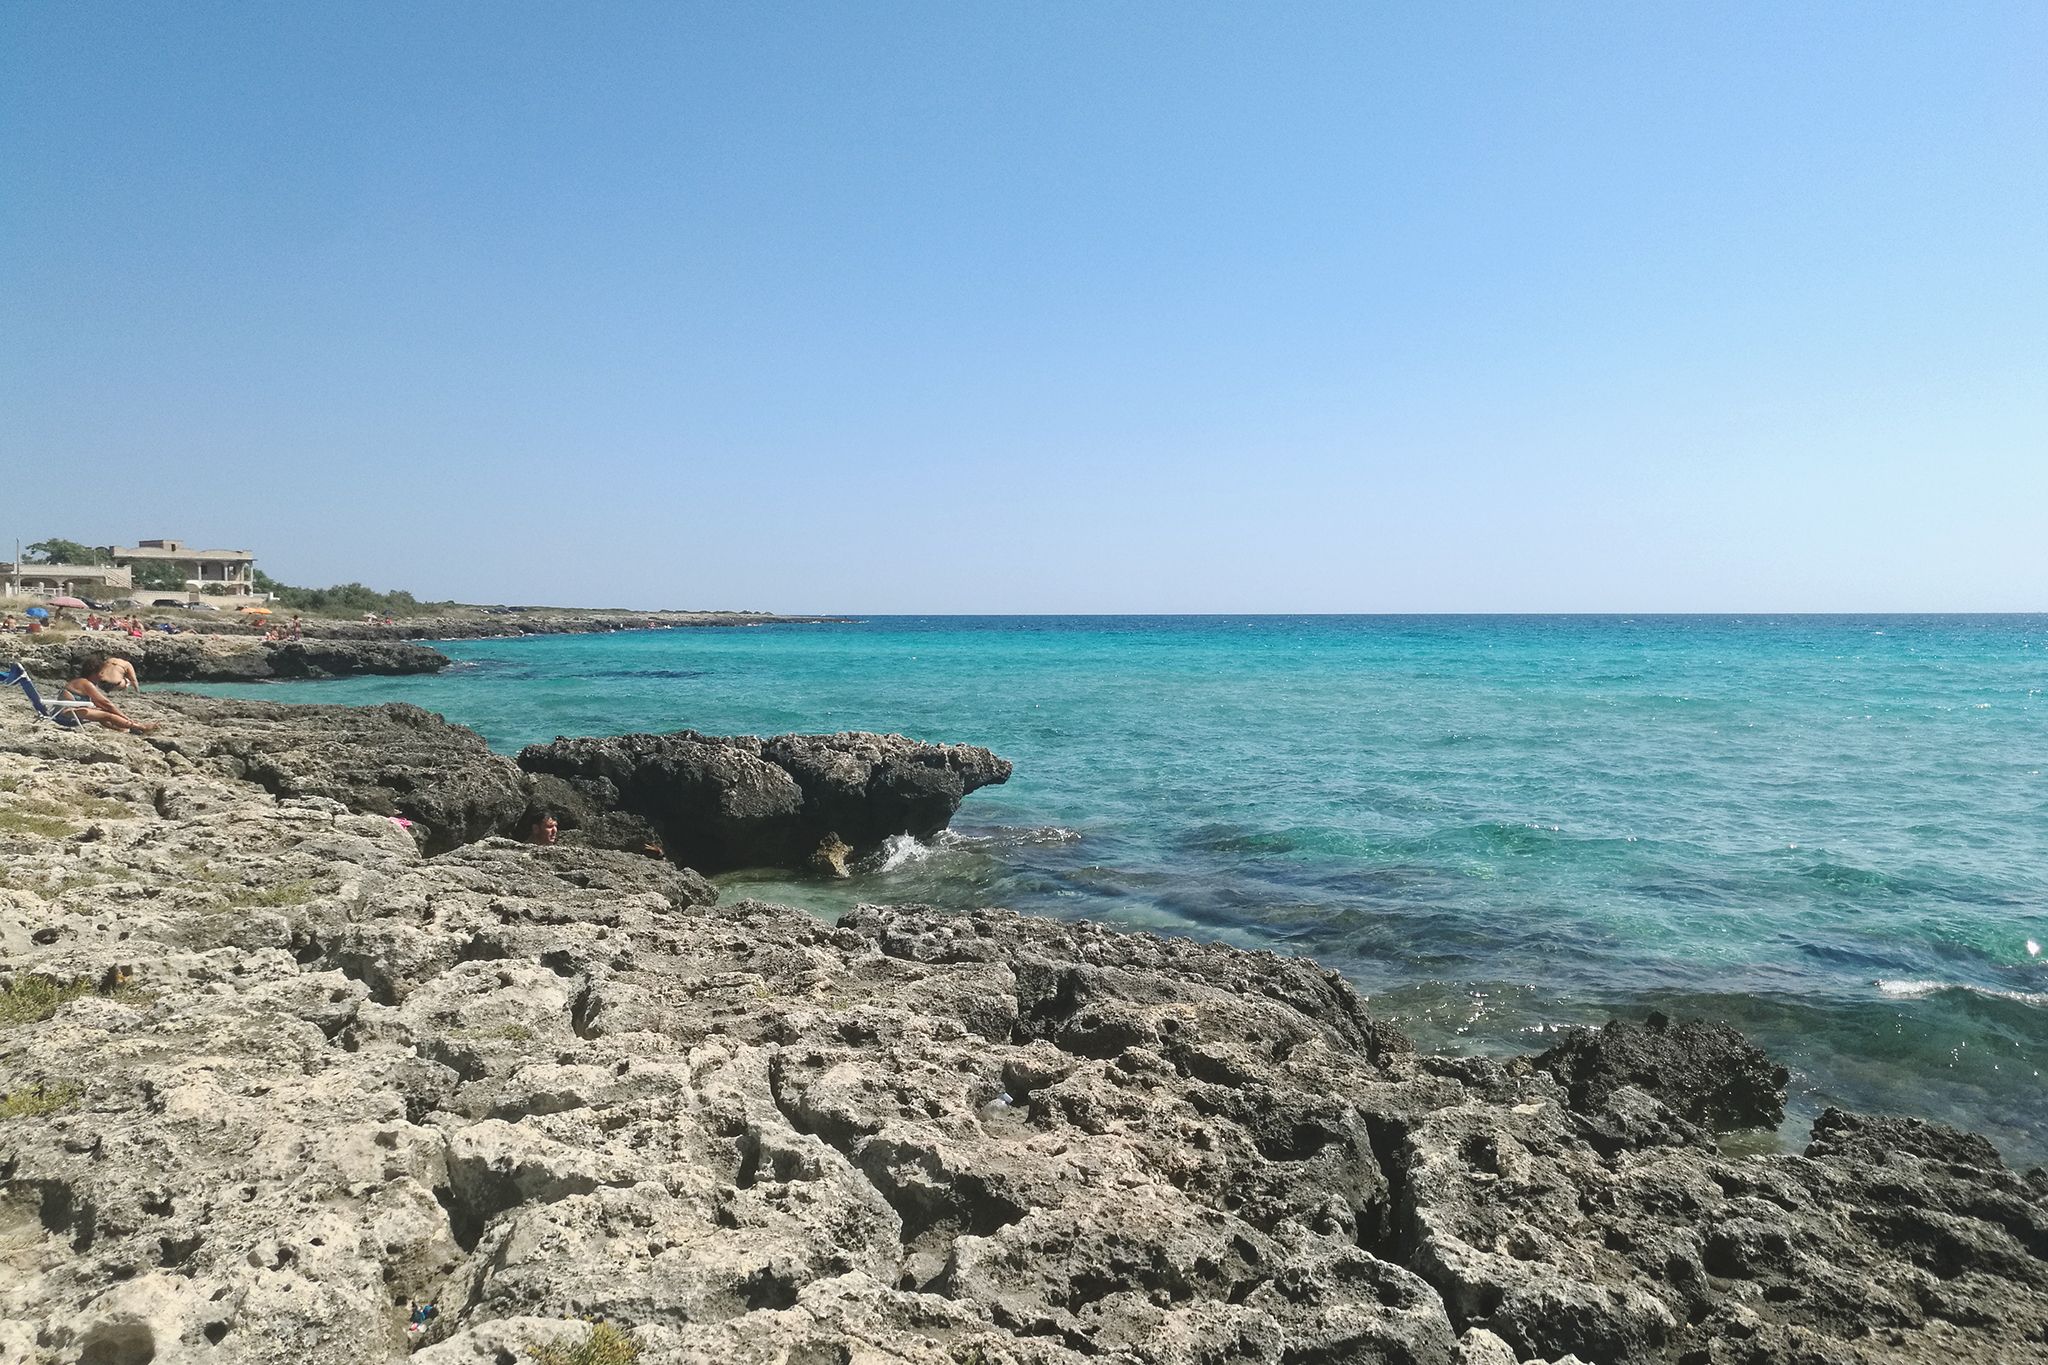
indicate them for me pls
(229, 573)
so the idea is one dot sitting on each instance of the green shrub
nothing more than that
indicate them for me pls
(65, 884)
(606, 1345)
(95, 808)
(346, 599)
(16, 820)
(34, 998)
(35, 1101)
(276, 897)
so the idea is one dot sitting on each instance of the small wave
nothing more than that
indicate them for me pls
(898, 851)
(1026, 836)
(1899, 989)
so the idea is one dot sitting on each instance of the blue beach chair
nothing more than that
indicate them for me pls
(56, 712)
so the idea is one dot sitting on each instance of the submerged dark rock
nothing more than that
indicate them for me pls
(1707, 1074)
(716, 804)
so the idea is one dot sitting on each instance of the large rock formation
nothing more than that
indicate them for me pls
(718, 804)
(271, 1074)
(394, 759)
(710, 804)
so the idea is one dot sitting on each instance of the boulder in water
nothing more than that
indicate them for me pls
(722, 803)
(1708, 1074)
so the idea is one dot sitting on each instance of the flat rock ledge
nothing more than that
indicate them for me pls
(231, 658)
(272, 1073)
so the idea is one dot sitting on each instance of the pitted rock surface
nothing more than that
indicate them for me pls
(1708, 1074)
(394, 759)
(302, 1075)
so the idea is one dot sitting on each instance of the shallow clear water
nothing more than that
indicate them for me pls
(1832, 831)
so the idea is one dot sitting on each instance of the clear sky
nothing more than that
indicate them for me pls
(1040, 307)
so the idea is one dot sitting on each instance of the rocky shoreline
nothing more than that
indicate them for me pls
(476, 626)
(231, 658)
(278, 1065)
(231, 649)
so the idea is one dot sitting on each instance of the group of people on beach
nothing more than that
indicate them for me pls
(281, 632)
(131, 626)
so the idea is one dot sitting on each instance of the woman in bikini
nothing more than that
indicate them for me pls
(102, 671)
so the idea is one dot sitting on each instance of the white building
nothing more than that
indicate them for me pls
(230, 573)
(97, 581)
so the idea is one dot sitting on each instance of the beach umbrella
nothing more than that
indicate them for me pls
(255, 611)
(37, 611)
(69, 602)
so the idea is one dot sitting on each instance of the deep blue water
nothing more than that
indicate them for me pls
(1832, 831)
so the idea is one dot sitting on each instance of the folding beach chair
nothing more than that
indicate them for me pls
(56, 712)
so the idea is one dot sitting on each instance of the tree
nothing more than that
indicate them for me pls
(344, 598)
(64, 552)
(157, 575)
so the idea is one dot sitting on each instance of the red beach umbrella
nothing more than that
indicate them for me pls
(68, 602)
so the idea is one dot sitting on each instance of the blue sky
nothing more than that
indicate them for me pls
(1041, 307)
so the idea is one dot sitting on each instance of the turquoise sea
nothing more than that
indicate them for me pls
(1831, 831)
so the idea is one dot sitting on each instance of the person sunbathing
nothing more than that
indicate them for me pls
(113, 671)
(98, 707)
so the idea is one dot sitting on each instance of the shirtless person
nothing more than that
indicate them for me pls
(86, 687)
(114, 672)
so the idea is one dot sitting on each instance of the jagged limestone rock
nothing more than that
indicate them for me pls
(533, 1085)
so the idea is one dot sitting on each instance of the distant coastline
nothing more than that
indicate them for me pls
(239, 648)
(513, 622)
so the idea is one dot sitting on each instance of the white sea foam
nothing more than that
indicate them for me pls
(1042, 834)
(899, 851)
(1007, 836)
(1920, 990)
